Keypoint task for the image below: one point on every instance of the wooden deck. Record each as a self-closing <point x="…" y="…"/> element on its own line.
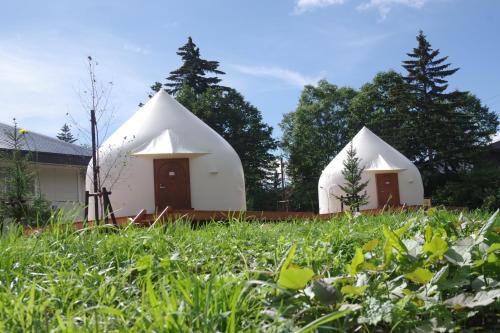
<point x="197" y="216"/>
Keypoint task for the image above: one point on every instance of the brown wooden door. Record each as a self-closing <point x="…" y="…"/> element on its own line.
<point x="172" y="183"/>
<point x="387" y="189"/>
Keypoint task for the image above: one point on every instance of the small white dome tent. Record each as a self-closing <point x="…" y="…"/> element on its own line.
<point x="393" y="179"/>
<point x="165" y="156"/>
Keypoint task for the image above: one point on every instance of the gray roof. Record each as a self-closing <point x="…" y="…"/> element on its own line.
<point x="495" y="145"/>
<point x="44" y="145"/>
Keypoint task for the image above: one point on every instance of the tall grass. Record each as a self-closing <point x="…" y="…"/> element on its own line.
<point x="171" y="277"/>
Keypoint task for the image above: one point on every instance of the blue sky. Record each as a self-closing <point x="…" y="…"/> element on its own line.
<point x="268" y="49"/>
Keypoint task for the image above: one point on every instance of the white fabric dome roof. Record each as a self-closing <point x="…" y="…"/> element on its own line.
<point x="164" y="129"/>
<point x="376" y="156"/>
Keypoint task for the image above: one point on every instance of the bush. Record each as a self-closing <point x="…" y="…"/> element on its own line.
<point x="479" y="188"/>
<point x="19" y="201"/>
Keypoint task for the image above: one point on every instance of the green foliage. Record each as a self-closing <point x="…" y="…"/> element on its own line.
<point x="226" y="277"/>
<point x="65" y="134"/>
<point x="476" y="188"/>
<point x="294" y="277"/>
<point x="420" y="275"/>
<point x="426" y="74"/>
<point x="452" y="126"/>
<point x="192" y="72"/>
<point x="312" y="135"/>
<point x="227" y="112"/>
<point x="443" y="132"/>
<point x="19" y="202"/>
<point x="353" y="187"/>
<point x="384" y="105"/>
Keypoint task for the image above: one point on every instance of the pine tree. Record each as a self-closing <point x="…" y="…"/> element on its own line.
<point x="65" y="134"/>
<point x="192" y="72"/>
<point x="19" y="201"/>
<point x="353" y="187"/>
<point x="426" y="74"/>
<point x="450" y="128"/>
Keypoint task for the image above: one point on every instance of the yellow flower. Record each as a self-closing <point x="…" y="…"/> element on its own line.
<point x="23" y="131"/>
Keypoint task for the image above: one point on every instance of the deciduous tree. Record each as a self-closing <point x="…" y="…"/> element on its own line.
<point x="240" y="123"/>
<point x="312" y="135"/>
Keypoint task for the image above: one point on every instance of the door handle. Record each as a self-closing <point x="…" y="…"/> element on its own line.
<point x="162" y="186"/>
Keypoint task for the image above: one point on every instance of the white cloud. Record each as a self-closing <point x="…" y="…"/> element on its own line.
<point x="291" y="77"/>
<point x="382" y="6"/>
<point x="385" y="6"/>
<point x="306" y="5"/>
<point x="136" y="48"/>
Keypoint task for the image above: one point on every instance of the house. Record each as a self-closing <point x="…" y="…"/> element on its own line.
<point x="165" y="156"/>
<point x="493" y="153"/>
<point x="393" y="179"/>
<point x="59" y="166"/>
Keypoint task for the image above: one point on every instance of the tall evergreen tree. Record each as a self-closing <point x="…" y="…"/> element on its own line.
<point x="427" y="72"/>
<point x="193" y="71"/>
<point x="65" y="134"/>
<point x="450" y="127"/>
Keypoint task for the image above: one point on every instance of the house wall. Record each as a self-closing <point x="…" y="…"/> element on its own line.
<point x="62" y="185"/>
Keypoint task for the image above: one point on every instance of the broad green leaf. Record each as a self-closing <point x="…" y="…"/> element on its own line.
<point x="290" y="254"/>
<point x="459" y="253"/>
<point x="394" y="240"/>
<point x="420" y="275"/>
<point x="437" y="247"/>
<point x="295" y="277"/>
<point x="488" y="224"/>
<point x="353" y="290"/>
<point x="478" y="263"/>
<point x="482" y="298"/>
<point x="371" y="245"/>
<point x="356" y="261"/>
<point x="492" y="258"/>
<point x="494" y="247"/>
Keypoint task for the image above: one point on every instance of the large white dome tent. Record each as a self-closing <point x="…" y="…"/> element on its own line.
<point x="393" y="178"/>
<point x="166" y="156"/>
